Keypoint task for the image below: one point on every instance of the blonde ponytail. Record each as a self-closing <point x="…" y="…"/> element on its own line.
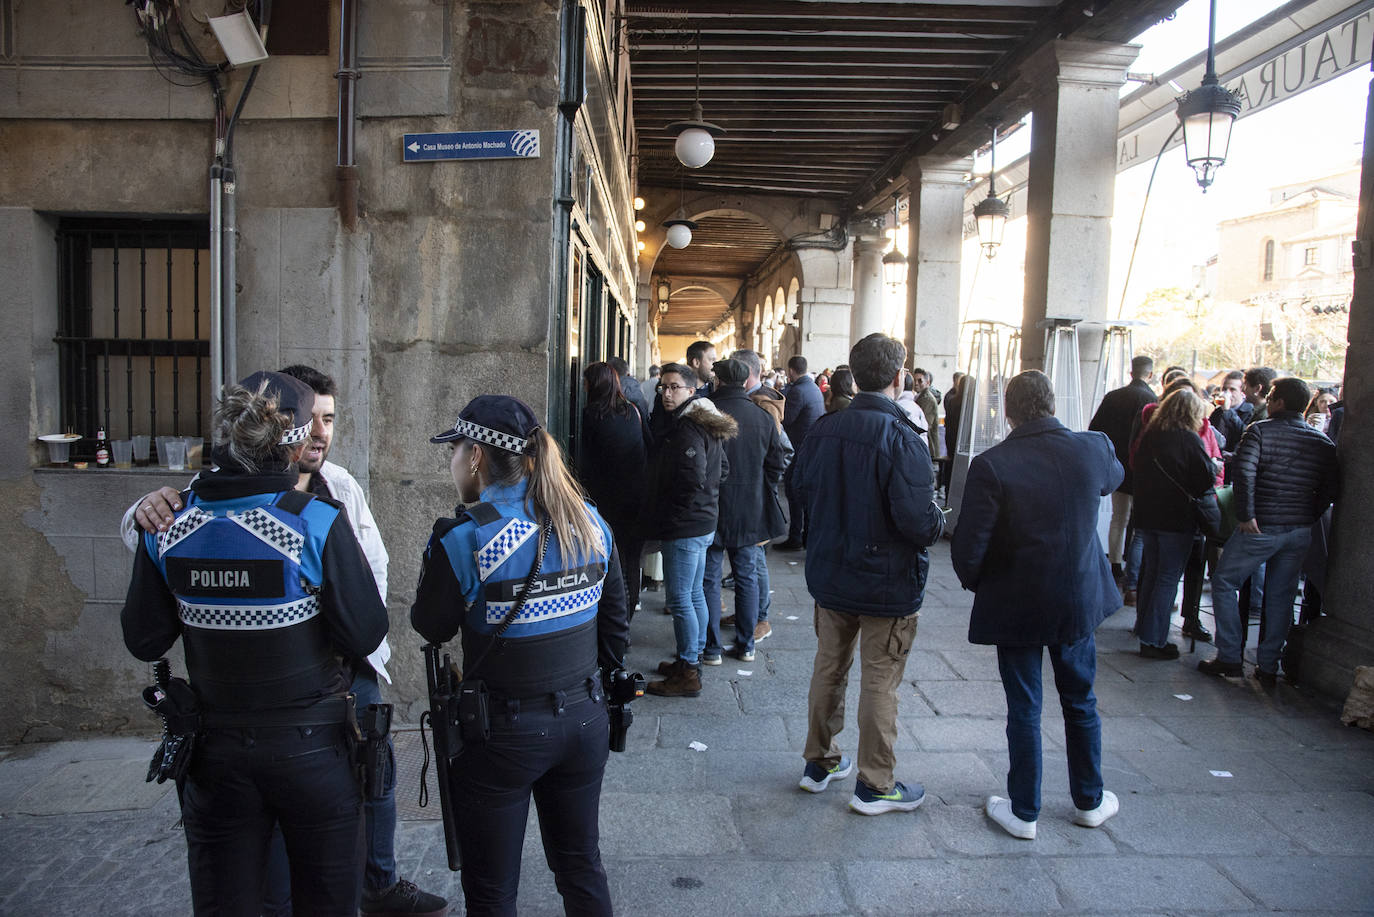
<point x="554" y="494"/>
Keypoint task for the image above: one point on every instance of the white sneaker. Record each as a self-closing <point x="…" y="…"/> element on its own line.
<point x="1091" y="818"/>
<point x="999" y="810"/>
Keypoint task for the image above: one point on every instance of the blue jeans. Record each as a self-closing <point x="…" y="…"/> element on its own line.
<point x="1134" y="555"/>
<point x="1161" y="567"/>
<point x="379" y="822"/>
<point x="684" y="570"/>
<point x="1281" y="548"/>
<point x="765" y="587"/>
<point x="745" y="563"/>
<point x="1075" y="667"/>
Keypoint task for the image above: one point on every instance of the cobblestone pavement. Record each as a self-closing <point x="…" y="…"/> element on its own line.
<point x="1233" y="801"/>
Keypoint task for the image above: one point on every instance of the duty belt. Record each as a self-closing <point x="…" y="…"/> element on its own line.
<point x="329" y="712"/>
<point x="552" y="701"/>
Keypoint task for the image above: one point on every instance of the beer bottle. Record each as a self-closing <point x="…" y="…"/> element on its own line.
<point x="102" y="450"/>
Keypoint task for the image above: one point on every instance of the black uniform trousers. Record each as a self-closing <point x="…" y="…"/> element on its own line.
<point x="241" y="783"/>
<point x="560" y="758"/>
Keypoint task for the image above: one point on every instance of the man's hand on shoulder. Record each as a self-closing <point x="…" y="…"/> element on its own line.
<point x="156" y="511"/>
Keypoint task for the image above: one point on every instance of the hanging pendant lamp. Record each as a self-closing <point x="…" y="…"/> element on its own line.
<point x="992" y="212"/>
<point x="696" y="142"/>
<point x="894" y="262"/>
<point x="679" y="228"/>
<point x="1207" y="114"/>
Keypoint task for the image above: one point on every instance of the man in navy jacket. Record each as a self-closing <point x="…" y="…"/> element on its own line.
<point x="1027" y="545"/>
<point x="865" y="475"/>
<point x="803" y="406"/>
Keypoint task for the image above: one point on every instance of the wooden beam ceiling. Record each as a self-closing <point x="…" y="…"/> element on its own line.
<point x="824" y="98"/>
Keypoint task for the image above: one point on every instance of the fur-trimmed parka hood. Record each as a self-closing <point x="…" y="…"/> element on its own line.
<point x="704" y="413"/>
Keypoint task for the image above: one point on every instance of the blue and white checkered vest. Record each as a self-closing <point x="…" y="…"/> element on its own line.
<point x="246" y="574"/>
<point x="551" y="645"/>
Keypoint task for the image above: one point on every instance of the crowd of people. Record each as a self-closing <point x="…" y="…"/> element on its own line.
<point x="270" y="569"/>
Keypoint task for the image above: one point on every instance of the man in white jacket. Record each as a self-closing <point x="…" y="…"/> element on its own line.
<point x="383" y="892"/>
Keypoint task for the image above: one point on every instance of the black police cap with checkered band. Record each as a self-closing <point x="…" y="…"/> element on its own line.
<point x="497" y="420"/>
<point x="293" y="397"/>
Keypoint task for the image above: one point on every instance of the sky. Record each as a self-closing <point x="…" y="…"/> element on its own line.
<point x="1308" y="136"/>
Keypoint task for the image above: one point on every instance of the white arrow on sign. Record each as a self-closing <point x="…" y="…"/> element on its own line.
<point x="414" y="147"/>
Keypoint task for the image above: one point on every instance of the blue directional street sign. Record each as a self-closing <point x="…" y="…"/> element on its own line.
<point x="470" y="145"/>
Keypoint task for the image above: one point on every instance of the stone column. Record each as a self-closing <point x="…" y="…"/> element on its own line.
<point x="936" y="228"/>
<point x="1069" y="196"/>
<point x="867" y="315"/>
<point x="825" y="303"/>
<point x="1344" y="636"/>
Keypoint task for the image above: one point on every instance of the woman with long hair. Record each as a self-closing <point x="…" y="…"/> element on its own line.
<point x="529" y="574"/>
<point x="612" y="458"/>
<point x="842" y="390"/>
<point x="267" y="588"/>
<point x="1172" y="469"/>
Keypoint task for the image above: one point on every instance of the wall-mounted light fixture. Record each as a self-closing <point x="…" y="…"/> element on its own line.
<point x="1207" y="114"/>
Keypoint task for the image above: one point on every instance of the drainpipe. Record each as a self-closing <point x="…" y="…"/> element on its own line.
<point x="216" y="281"/>
<point x="230" y="216"/>
<point x="346" y="172"/>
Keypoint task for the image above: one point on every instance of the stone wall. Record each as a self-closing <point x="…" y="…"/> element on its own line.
<point x="443" y="292"/>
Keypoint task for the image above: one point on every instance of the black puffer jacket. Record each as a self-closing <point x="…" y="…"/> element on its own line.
<point x="686" y="467"/>
<point x="1284" y="472"/>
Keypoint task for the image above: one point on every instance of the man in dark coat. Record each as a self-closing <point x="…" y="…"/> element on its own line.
<point x="1285" y="476"/>
<point x="1027" y="545"/>
<point x="750" y="515"/>
<point x="803" y="406"/>
<point x="866" y="472"/>
<point x="1119" y="411"/>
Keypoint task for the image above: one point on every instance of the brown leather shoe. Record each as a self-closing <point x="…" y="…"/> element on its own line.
<point x="685" y="682"/>
<point x="669" y="666"/>
<point x="1129" y="598"/>
<point x="762" y="631"/>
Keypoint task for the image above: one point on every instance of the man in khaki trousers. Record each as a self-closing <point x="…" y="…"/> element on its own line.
<point x="867" y="482"/>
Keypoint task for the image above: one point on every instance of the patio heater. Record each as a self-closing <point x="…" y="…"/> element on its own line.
<point x="982" y="420"/>
<point x="1063" y="367"/>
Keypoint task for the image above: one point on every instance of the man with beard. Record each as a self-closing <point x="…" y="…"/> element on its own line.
<point x="384" y="893"/>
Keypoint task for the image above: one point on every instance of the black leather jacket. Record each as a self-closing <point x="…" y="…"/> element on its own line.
<point x="1284" y="472"/>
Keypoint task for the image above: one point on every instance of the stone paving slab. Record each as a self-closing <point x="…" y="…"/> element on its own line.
<point x="1103" y="885"/>
<point x="1019" y="884"/>
<point x="1340" y="885"/>
<point x="726" y="831"/>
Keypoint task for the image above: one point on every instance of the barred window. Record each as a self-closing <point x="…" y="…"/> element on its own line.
<point x="1269" y="259"/>
<point x="133" y="329"/>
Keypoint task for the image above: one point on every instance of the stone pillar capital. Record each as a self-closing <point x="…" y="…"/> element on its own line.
<point x="1084" y="63"/>
<point x="930" y="170"/>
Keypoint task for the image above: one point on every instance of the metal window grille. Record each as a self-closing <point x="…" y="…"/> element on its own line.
<point x="133" y="326"/>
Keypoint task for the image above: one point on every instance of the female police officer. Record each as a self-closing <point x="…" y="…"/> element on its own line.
<point x="547" y="715"/>
<point x="265" y="585"/>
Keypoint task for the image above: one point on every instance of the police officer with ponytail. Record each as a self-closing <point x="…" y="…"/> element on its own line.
<point x="528" y="574"/>
<point x="266" y="587"/>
